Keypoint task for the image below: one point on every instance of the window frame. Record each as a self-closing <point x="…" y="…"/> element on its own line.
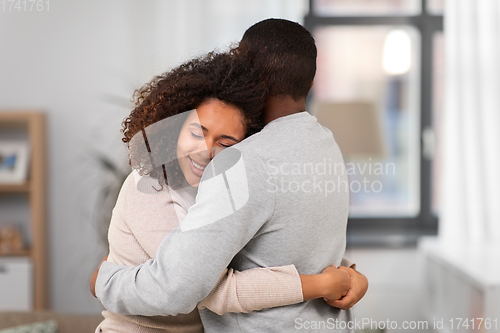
<point x="389" y="231"/>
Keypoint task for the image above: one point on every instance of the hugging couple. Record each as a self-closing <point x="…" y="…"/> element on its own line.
<point x="202" y="238"/>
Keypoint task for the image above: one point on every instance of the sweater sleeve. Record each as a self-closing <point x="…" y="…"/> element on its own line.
<point x="235" y="199"/>
<point x="254" y="289"/>
<point x="348" y="263"/>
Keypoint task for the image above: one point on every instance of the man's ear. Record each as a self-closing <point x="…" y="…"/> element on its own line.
<point x="312" y="84"/>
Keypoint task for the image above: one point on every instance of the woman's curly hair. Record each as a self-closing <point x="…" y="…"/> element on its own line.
<point x="228" y="77"/>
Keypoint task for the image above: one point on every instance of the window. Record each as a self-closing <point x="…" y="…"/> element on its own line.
<point x="376" y="76"/>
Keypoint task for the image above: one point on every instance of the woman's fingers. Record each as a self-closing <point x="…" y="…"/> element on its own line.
<point x="344" y="303"/>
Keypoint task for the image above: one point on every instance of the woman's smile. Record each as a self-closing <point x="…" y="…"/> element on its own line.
<point x="197" y="168"/>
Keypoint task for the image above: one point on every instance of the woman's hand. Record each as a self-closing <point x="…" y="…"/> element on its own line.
<point x="337" y="282"/>
<point x="331" y="284"/>
<point x="355" y="293"/>
<point x="93" y="277"/>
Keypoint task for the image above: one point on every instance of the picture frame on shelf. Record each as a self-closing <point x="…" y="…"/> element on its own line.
<point x="14" y="161"/>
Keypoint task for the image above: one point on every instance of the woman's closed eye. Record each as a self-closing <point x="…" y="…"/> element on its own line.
<point x="201" y="136"/>
<point x="197" y="135"/>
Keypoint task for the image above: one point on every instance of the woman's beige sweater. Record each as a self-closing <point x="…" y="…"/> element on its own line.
<point x="140" y="221"/>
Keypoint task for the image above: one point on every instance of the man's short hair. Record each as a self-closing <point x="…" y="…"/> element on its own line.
<point x="285" y="53"/>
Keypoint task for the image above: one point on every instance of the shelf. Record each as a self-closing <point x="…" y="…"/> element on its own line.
<point x="34" y="124"/>
<point x="23" y="253"/>
<point x="15" y="188"/>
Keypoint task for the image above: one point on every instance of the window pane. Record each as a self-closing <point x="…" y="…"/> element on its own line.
<point x="435" y="7"/>
<point x="367" y="92"/>
<point x="366" y="7"/>
<point x="437" y="111"/>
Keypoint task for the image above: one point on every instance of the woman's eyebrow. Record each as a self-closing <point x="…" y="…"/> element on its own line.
<point x="229" y="137"/>
<point x="199" y="126"/>
<point x="222" y="136"/>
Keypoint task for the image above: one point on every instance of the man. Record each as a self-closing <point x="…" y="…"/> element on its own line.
<point x="279" y="197"/>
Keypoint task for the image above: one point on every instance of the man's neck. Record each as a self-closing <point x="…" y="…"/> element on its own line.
<point x="281" y="106"/>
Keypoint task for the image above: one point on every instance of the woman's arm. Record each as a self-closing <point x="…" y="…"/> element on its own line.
<point x="261" y="288"/>
<point x="332" y="284"/>
<point x="254" y="289"/>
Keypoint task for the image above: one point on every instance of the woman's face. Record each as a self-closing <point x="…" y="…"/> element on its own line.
<point x="212" y="127"/>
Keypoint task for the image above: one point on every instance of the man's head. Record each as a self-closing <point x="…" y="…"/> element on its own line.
<point x="285" y="53"/>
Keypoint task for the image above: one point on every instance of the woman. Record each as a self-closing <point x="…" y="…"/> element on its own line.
<point x="182" y="119"/>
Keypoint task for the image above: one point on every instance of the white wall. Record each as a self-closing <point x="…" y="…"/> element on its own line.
<point x="71" y="62"/>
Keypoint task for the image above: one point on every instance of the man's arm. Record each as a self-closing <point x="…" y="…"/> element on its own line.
<point x="232" y="205"/>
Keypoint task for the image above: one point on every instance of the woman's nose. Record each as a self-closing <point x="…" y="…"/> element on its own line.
<point x="211" y="150"/>
<point x="215" y="150"/>
<point x="207" y="150"/>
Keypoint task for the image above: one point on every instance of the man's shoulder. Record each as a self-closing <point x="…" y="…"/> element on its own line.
<point x="252" y="142"/>
<point x="251" y="149"/>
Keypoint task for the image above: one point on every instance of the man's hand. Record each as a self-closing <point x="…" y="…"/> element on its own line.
<point x="93" y="277"/>
<point x="359" y="286"/>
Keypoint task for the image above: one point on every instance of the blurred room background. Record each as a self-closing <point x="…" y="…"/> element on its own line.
<point x="409" y="89"/>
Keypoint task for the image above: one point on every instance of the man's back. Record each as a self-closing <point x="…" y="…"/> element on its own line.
<point x="307" y="224"/>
